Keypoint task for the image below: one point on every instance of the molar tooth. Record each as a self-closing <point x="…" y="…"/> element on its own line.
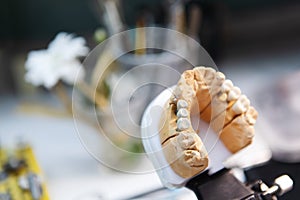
<point x="226" y="86"/>
<point x="187" y="140"/>
<point x="193" y="158"/>
<point x="181" y="104"/>
<point x="183" y="124"/>
<point x="241" y="105"/>
<point x="234" y="94"/>
<point x="182" y="112"/>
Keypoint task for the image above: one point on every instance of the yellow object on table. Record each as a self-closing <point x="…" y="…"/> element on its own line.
<point x="20" y="175"/>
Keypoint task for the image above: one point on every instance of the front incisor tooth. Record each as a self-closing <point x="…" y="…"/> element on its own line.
<point x="215" y="86"/>
<point x="234" y="94"/>
<point x="181" y="104"/>
<point x="220" y="77"/>
<point x="182" y="112"/>
<point x="241" y="105"/>
<point x="227" y="86"/>
<point x="183" y="124"/>
<point x="199" y="73"/>
<point x="209" y="75"/>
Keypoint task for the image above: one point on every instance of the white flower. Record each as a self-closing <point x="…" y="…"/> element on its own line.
<point x="58" y="62"/>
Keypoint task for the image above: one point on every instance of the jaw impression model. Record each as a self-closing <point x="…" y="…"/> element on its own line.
<point x="206" y="93"/>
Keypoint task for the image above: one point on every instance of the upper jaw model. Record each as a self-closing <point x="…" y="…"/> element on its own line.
<point x="206" y="93"/>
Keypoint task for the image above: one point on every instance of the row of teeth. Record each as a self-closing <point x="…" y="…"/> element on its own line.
<point x="183" y="122"/>
<point x="233" y="93"/>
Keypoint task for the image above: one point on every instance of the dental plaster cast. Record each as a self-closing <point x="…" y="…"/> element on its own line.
<point x="206" y="93"/>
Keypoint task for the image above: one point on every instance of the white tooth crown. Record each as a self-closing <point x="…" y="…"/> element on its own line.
<point x="241" y="105"/>
<point x="182" y="112"/>
<point x="174" y="99"/>
<point x="183" y="124"/>
<point x="181" y="104"/>
<point x="186" y="140"/>
<point x="199" y="74"/>
<point x="234" y="94"/>
<point x="220" y="76"/>
<point x="251" y="116"/>
<point x="226" y="86"/>
<point x="209" y="75"/>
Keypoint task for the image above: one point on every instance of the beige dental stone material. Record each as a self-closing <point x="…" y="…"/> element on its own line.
<point x="208" y="94"/>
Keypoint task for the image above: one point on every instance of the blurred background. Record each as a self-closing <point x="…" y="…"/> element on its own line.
<point x="226" y="29"/>
<point x="255" y="43"/>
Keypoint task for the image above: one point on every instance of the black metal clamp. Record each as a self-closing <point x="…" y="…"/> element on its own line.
<point x="224" y="185"/>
